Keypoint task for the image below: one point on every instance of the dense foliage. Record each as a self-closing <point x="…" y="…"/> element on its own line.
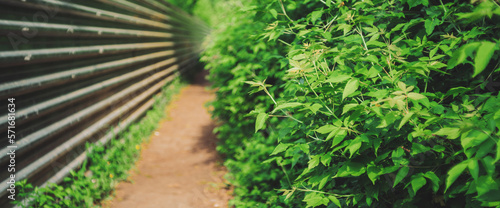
<point x="359" y="103"/>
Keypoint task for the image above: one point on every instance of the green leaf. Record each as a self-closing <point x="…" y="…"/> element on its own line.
<point x="326" y="129"/>
<point x="416" y="96"/>
<point x="450" y="133"/>
<point x="486" y="184"/>
<point x="280" y="148"/>
<point x="314" y="199"/>
<point x="474" y="168"/>
<point x="326" y="159"/>
<point x="261" y="120"/>
<point x="498" y="151"/>
<point x="304" y="148"/>
<point x="434" y="179"/>
<point x="388" y="119"/>
<point x="315" y="159"/>
<point x="375" y="43"/>
<point x="483" y="10"/>
<point x="457" y="91"/>
<point x="370" y="58"/>
<point x="402" y="86"/>
<point x="354" y="146"/>
<point x="323" y="182"/>
<point x="429" y="25"/>
<point x="401" y="174"/>
<point x="314" y="107"/>
<point x="417" y="148"/>
<point x="348" y="107"/>
<point x="373" y="172"/>
<point x="454" y="173"/>
<point x="489" y="165"/>
<point x="249" y="8"/>
<point x="328" y="3"/>
<point x="316" y="15"/>
<point x="460" y="55"/>
<point x="287" y="105"/>
<point x="332" y="134"/>
<point x="351" y="169"/>
<point x="350" y="88"/>
<point x="339" y="137"/>
<point x="405" y="119"/>
<point x="335" y="200"/>
<point x="483" y="56"/>
<point x="474" y="138"/>
<point x="433" y="51"/>
<point x="338" y="78"/>
<point x="417" y="183"/>
<point x="274" y="13"/>
<point x="414" y="3"/>
<point x="299" y="57"/>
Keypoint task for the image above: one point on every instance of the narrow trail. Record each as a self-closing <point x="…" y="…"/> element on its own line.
<point x="179" y="167"/>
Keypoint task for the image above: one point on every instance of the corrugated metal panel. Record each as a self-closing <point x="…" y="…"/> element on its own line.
<point x="77" y="68"/>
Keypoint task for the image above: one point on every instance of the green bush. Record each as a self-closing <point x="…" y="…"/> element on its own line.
<point x="235" y="56"/>
<point x="359" y="103"/>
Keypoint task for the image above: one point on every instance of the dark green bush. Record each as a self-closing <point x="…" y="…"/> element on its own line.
<point x="361" y="103"/>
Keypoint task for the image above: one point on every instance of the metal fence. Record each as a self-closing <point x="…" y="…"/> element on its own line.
<point x="75" y="68"/>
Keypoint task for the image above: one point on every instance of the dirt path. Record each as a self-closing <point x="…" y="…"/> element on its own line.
<point x="179" y="168"/>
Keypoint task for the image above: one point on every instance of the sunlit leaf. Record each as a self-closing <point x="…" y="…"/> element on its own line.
<point x="430" y="24"/>
<point x="314" y="161"/>
<point x="326" y="129"/>
<point x="401" y="174"/>
<point x="315" y="199"/>
<point x="351" y="87"/>
<point x="280" y="148"/>
<point x="460" y="55"/>
<point x="316" y="15"/>
<point x="274" y="13"/>
<point x="335" y="200"/>
<point x="373" y="172"/>
<point x="405" y="119"/>
<point x="454" y="172"/>
<point x="450" y="133"/>
<point x="287" y="105"/>
<point x="416" y="96"/>
<point x="417" y="183"/>
<point x="473" y="168"/>
<point x="354" y="146"/>
<point x="261" y="120"/>
<point x="338" y="78"/>
<point x="483" y="56"/>
<point x="434" y="179"/>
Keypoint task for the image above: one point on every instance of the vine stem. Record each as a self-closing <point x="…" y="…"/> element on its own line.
<point x="316" y="138"/>
<point x="269" y="94"/>
<point x="309" y="190"/>
<point x="309" y="84"/>
<point x="274" y="101"/>
<point x="284" y="12"/>
<point x="362" y="38"/>
<point x="286" y="174"/>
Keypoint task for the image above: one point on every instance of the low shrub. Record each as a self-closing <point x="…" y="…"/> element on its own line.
<point x="359" y="103"/>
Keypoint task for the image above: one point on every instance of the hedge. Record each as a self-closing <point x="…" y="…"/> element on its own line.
<point x="359" y="103"/>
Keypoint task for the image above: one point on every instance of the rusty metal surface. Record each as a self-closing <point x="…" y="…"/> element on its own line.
<point x="76" y="68"/>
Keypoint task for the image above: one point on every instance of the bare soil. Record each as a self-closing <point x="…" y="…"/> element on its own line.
<point x="179" y="167"/>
